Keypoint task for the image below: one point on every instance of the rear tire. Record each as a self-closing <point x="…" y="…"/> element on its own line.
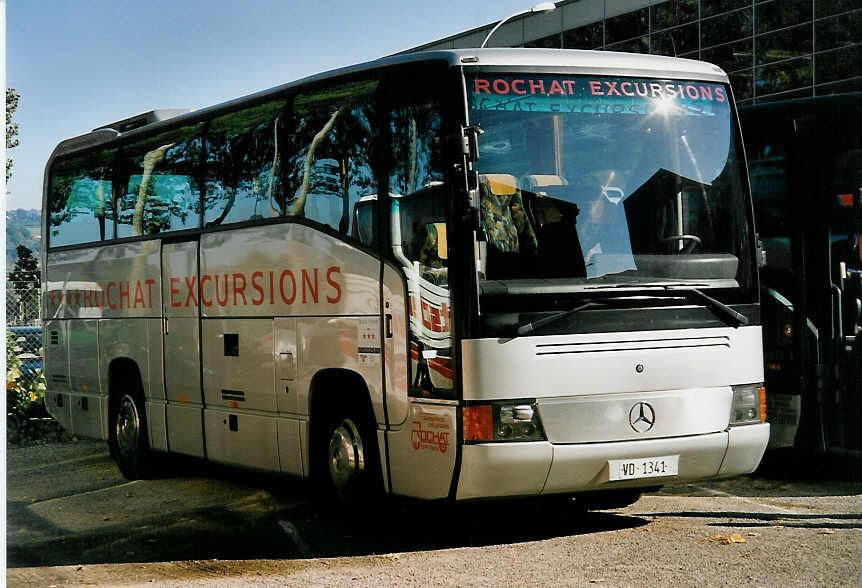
<point x="127" y="435"/>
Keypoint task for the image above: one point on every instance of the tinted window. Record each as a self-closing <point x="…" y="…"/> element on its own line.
<point x="673" y="12"/>
<point x="676" y="41"/>
<point x="243" y="165"/>
<point x="585" y="37"/>
<point x="159" y="178"/>
<point x="79" y="199"/>
<point x="328" y="151"/>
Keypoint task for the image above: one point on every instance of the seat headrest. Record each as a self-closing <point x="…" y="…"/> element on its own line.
<point x="500" y="184"/>
<point x="531" y="181"/>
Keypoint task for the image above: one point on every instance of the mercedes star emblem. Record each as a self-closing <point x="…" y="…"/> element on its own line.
<point x="642" y="417"/>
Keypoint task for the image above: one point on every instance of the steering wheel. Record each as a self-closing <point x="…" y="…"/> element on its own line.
<point x="693" y="241"/>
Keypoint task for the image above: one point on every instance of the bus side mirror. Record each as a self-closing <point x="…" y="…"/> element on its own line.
<point x="473" y="189"/>
<point x="760" y="252"/>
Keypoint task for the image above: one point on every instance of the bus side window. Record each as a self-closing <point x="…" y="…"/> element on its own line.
<point x="243" y="165"/>
<point x="159" y="184"/>
<point x="328" y="165"/>
<point x="79" y="199"/>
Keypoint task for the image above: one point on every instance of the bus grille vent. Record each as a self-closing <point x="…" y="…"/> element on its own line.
<point x="633" y="345"/>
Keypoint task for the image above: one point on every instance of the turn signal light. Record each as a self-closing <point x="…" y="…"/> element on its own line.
<point x="503" y="421"/>
<point x="749" y="404"/>
<point x="478" y="423"/>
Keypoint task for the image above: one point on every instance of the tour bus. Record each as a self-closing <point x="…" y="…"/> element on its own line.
<point x="463" y="274"/>
<point x="805" y="160"/>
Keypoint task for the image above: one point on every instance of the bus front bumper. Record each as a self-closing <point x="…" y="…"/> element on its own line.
<point x="522" y="469"/>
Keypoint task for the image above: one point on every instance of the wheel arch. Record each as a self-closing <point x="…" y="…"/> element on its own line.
<point x="336" y="387"/>
<point x="120" y="370"/>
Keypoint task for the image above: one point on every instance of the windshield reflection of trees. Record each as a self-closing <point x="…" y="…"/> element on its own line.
<point x="618" y="190"/>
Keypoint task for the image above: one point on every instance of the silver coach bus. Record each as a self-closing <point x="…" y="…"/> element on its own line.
<point x="455" y="274"/>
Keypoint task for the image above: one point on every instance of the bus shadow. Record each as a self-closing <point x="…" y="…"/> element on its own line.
<point x="306" y="530"/>
<point x="762" y="519"/>
<point x="429" y="527"/>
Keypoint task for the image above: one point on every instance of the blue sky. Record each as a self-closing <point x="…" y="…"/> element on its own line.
<point x="79" y="64"/>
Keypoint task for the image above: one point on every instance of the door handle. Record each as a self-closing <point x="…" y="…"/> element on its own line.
<point x="388" y="326"/>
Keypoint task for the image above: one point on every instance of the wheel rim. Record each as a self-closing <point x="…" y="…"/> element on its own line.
<point x="346" y="455"/>
<point x="128" y="426"/>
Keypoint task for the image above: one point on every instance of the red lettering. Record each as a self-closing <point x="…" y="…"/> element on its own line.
<point x="706" y="93"/>
<point x="271" y="288"/>
<point x="124" y="293"/>
<point x="641" y="89"/>
<point x="612" y="89"/>
<point x="88" y="298"/>
<point x="719" y="95"/>
<point x="515" y="84"/>
<point x="596" y="88"/>
<point x="333" y="270"/>
<point x="149" y="284"/>
<point x="501" y="86"/>
<point x="570" y="86"/>
<point x="174" y="292"/>
<point x="670" y="90"/>
<point x="96" y="300"/>
<point x="689" y="90"/>
<point x="556" y="88"/>
<point x="281" y="286"/>
<point x="537" y="85"/>
<point x="139" y="295"/>
<point x="628" y="92"/>
<point x="190" y="288"/>
<point x="239" y="288"/>
<point x="111" y="305"/>
<point x="221" y="301"/>
<point x="482" y="86"/>
<point x="205" y="278"/>
<point x="254" y="278"/>
<point x="312" y="286"/>
<point x="655" y="89"/>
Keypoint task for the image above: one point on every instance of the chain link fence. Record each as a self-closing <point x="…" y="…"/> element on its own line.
<point x="22" y="304"/>
<point x="24" y="330"/>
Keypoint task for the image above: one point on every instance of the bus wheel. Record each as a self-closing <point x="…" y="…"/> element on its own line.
<point x="348" y="461"/>
<point x="127" y="436"/>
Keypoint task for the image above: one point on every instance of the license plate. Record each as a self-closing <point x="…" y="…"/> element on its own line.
<point x="644" y="467"/>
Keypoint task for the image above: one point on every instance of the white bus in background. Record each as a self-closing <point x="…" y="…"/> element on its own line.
<point x="447" y="275"/>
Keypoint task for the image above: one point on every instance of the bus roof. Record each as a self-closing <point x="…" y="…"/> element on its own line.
<point x="571" y="61"/>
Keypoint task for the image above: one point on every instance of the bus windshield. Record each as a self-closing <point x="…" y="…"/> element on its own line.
<point x="595" y="180"/>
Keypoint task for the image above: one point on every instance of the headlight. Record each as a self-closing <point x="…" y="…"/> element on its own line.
<point x="749" y="404"/>
<point x="503" y="421"/>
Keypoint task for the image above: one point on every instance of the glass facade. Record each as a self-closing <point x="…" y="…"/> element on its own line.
<point x="771" y="49"/>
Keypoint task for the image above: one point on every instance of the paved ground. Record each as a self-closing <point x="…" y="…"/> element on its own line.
<point x="72" y="519"/>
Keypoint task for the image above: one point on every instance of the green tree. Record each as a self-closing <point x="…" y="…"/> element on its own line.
<point x="11" y="127"/>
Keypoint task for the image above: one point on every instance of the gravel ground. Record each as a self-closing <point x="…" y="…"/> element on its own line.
<point x="746" y="531"/>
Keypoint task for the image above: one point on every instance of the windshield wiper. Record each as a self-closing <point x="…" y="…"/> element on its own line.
<point x="532" y="326"/>
<point x="732" y="317"/>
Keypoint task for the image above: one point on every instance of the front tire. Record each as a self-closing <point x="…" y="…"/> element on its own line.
<point x="127" y="437"/>
<point x="346" y="462"/>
